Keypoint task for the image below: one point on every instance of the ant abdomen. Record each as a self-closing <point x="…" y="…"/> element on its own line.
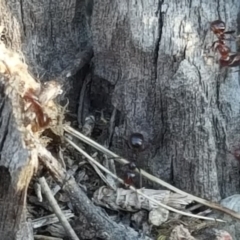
<point x="136" y="141"/>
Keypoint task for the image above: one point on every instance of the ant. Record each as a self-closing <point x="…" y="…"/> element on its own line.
<point x="227" y="59"/>
<point x="41" y="119"/>
<point x="136" y="143"/>
<point x="218" y="27"/>
<point x="37" y="99"/>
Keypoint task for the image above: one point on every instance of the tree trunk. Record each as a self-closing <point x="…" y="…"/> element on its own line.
<point x="13" y="167"/>
<point x="151" y="54"/>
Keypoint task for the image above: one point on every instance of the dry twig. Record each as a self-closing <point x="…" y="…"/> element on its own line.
<point x="149" y="176"/>
<point x="57" y="209"/>
<point x="42" y="237"/>
<point x="138" y="191"/>
<point x="81" y="100"/>
<point x="105" y="228"/>
<point x="50" y="219"/>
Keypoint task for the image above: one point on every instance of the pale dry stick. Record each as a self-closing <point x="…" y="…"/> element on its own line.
<point x="71" y="172"/>
<point x="100" y="174"/>
<point x="134" y="189"/>
<point x="43" y="237"/>
<point x="111" y="126"/>
<point x="60" y="156"/>
<point x="81" y="100"/>
<point x="194" y="207"/>
<point x="50" y="219"/>
<point x="149" y="176"/>
<point x="57" y="209"/>
<point x="101" y="223"/>
<point x="37" y="189"/>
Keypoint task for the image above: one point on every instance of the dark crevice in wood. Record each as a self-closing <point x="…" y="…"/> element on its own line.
<point x="22" y="16"/>
<point x="11" y="207"/>
<point x="4" y="133"/>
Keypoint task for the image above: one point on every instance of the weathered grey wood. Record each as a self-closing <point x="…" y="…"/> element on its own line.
<point x="53" y="33"/>
<point x="26" y="231"/>
<point x="13" y="160"/>
<point x="92" y="222"/>
<point x="152" y="52"/>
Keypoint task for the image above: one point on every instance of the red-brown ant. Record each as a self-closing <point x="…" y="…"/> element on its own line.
<point x="129" y="173"/>
<point x="38" y="99"/>
<point x="41" y="120"/>
<point x="227" y="59"/>
<point x="218" y="28"/>
<point x="137" y="144"/>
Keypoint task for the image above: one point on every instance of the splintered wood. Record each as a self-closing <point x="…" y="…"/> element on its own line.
<point x="129" y="200"/>
<point x="32" y="105"/>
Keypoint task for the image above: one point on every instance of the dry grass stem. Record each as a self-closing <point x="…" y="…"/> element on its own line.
<point x="52" y="201"/>
<point x="50" y="219"/>
<point x="43" y="237"/>
<point x="38" y="192"/>
<point x="123" y="161"/>
<point x="138" y="191"/>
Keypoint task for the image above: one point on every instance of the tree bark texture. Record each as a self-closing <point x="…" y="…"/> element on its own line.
<point x="13" y="163"/>
<point x="152" y="52"/>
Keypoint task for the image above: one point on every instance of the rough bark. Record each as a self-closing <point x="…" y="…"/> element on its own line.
<point x="13" y="161"/>
<point x="152" y="52"/>
<point x="93" y="222"/>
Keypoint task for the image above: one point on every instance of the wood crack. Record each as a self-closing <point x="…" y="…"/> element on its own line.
<point x="22" y="17"/>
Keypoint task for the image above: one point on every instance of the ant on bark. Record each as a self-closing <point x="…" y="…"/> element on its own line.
<point x="227" y="58"/>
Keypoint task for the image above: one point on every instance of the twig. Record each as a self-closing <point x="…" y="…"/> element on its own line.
<point x="43" y="237"/>
<point x="88" y="125"/>
<point x="60" y="156"/>
<point x="194" y="207"/>
<point x="50" y="219"/>
<point x="71" y="172"/>
<point x="81" y="100"/>
<point x="109" y="164"/>
<point x="57" y="209"/>
<point x="37" y="189"/>
<point x="149" y="176"/>
<point x="100" y="174"/>
<point x="111" y="126"/>
<point x="95" y="218"/>
<point x="134" y="189"/>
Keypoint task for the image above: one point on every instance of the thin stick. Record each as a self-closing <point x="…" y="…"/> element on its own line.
<point x="149" y="176"/>
<point x="81" y="100"/>
<point x="96" y="218"/>
<point x="100" y="174"/>
<point x="43" y="237"/>
<point x="57" y="209"/>
<point x="134" y="189"/>
<point x="111" y="126"/>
